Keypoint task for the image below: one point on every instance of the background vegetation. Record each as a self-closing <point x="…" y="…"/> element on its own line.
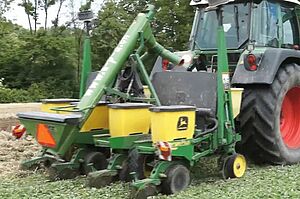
<point x="45" y="62"/>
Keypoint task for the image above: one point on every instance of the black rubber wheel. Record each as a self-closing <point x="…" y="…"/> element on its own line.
<point x="138" y="163"/>
<point x="178" y="179"/>
<point x="124" y="173"/>
<point x="234" y="166"/>
<point x="98" y="160"/>
<point x="265" y="139"/>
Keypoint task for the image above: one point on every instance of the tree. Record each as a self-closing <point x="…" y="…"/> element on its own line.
<point x="45" y="4"/>
<point x="113" y="22"/>
<point x="4" y="6"/>
<point x="49" y="60"/>
<point x="56" y="20"/>
<point x="172" y="25"/>
<point x="29" y="10"/>
<point x="45" y="59"/>
<point x="86" y="6"/>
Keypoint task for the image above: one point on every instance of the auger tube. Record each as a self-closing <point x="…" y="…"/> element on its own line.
<point x="119" y="56"/>
<point x="114" y="65"/>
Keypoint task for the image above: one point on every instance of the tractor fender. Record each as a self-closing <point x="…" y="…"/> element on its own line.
<point x="270" y="62"/>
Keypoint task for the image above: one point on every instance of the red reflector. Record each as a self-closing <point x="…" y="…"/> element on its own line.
<point x="18" y="131"/>
<point x="251" y="59"/>
<point x="253" y="67"/>
<point x="165" y="64"/>
<point x="44" y="136"/>
<point x="165" y="151"/>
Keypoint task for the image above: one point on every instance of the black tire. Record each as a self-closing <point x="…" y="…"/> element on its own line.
<point x="97" y="158"/>
<point x="124" y="173"/>
<point x="234" y="166"/>
<point x="137" y="163"/>
<point x="178" y="179"/>
<point x="260" y="119"/>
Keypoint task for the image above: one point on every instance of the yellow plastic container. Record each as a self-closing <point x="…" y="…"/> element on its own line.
<point x="48" y="104"/>
<point x="236" y="95"/>
<point x="98" y="119"/>
<point x="169" y="123"/>
<point x="128" y="119"/>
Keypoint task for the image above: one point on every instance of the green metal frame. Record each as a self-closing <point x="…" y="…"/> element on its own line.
<point x="140" y="31"/>
<point x="59" y="131"/>
<point x="87" y="64"/>
<point x="222" y="140"/>
<point x="70" y="135"/>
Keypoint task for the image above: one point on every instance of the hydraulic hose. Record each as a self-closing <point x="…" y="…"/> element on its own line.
<point x="207" y="131"/>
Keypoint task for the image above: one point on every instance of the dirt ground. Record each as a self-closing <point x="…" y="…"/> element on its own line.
<point x="12" y="151"/>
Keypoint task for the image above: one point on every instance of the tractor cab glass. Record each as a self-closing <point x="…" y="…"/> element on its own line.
<point x="264" y="30"/>
<point x="274" y="25"/>
<point x="264" y="23"/>
<point x="235" y="22"/>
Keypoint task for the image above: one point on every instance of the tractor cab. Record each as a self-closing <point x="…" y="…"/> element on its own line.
<point x="249" y="26"/>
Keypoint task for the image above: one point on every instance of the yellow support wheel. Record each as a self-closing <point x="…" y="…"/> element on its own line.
<point x="234" y="166"/>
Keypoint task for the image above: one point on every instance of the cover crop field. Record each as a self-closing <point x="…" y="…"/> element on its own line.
<point x="259" y="182"/>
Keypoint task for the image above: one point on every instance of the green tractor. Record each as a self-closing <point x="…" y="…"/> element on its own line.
<point x="189" y="122"/>
<point x="262" y="40"/>
<point x="263" y="52"/>
<point x="252" y="45"/>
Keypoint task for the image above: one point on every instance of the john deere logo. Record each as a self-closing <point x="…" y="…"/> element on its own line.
<point x="182" y="123"/>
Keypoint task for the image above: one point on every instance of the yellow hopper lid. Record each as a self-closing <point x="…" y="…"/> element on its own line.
<point x="173" y="108"/>
<point x="129" y="105"/>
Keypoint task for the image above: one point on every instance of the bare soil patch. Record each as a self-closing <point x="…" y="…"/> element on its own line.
<point x="13" y="151"/>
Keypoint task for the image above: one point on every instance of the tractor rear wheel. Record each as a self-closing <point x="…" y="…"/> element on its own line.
<point x="270" y="121"/>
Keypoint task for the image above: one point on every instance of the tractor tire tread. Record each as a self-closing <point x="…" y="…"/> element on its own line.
<point x="257" y="119"/>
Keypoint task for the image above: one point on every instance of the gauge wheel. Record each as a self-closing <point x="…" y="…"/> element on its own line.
<point x="234" y="166"/>
<point x="98" y="161"/>
<point x="178" y="178"/>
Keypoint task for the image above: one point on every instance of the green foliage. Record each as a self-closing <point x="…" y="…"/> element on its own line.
<point x="172" y="25"/>
<point x="45" y="59"/>
<point x="50" y="60"/>
<point x="86" y="6"/>
<point x="173" y="21"/>
<point x="33" y="94"/>
<point x="259" y="182"/>
<point x="113" y="23"/>
<point x="28" y="7"/>
<point x="4" y="6"/>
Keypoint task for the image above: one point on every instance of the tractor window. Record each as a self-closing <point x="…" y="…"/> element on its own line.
<point x="290" y="27"/>
<point x="265" y="32"/>
<point x="235" y="23"/>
